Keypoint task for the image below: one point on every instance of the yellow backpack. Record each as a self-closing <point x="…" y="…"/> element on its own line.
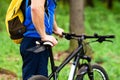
<point x="14" y="20"/>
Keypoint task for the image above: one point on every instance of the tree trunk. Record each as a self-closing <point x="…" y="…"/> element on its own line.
<point x="77" y="24"/>
<point x="76" y="20"/>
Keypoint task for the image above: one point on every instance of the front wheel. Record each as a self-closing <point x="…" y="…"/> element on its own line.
<point x="98" y="73"/>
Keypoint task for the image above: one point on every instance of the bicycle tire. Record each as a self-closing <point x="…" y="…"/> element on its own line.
<point x="97" y="69"/>
<point x="38" y="77"/>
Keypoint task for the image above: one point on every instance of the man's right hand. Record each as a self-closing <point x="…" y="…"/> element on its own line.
<point x="51" y="39"/>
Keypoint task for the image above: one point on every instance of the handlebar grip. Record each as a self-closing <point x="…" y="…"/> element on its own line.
<point x="68" y="36"/>
<point x="112" y="36"/>
<point x="63" y="34"/>
<point x="106" y="36"/>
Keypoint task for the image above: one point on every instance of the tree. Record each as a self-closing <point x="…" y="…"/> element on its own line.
<point x="76" y="20"/>
<point x="77" y="24"/>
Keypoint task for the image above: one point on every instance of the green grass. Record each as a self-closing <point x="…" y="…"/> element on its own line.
<point x="97" y="20"/>
<point x="104" y="22"/>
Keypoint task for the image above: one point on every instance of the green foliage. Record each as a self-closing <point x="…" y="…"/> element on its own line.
<point x="97" y="20"/>
<point x="3" y="8"/>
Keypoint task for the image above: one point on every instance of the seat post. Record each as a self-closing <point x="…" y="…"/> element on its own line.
<point x="53" y="67"/>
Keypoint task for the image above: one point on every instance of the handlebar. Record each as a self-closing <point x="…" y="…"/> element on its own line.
<point x="99" y="38"/>
<point x="41" y="45"/>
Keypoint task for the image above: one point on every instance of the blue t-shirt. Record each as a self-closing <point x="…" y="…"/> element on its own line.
<point x="49" y="20"/>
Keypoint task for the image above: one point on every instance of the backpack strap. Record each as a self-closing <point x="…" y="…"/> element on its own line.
<point x="22" y="7"/>
<point x="26" y="3"/>
<point x="46" y="7"/>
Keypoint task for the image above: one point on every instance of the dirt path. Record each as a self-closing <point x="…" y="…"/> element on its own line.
<point x="7" y="75"/>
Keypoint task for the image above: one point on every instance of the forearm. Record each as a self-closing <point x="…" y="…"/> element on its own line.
<point x="55" y="26"/>
<point x="56" y="29"/>
<point x="37" y="12"/>
<point x="38" y="18"/>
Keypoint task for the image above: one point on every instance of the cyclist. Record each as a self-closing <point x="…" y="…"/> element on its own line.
<point x="40" y="24"/>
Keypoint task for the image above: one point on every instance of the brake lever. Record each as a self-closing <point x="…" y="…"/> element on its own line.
<point x="109" y="41"/>
<point x="102" y="40"/>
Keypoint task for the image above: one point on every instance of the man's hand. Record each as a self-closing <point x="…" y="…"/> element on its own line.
<point x="50" y="39"/>
<point x="58" y="31"/>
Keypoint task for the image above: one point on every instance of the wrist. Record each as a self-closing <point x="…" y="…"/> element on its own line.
<point x="43" y="36"/>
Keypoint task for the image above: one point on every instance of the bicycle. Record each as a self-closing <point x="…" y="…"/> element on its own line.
<point x="79" y="70"/>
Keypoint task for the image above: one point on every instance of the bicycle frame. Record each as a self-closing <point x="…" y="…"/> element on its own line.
<point x="76" y="54"/>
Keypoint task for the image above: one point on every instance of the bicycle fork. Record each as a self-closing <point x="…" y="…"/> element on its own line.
<point x="90" y="72"/>
<point x="72" y="72"/>
<point x="86" y="68"/>
<point x="74" y="67"/>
